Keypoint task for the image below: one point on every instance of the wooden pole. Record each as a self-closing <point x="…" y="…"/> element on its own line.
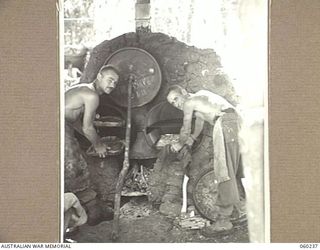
<point x="125" y="167"/>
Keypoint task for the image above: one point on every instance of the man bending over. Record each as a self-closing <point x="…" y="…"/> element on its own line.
<point x="209" y="107"/>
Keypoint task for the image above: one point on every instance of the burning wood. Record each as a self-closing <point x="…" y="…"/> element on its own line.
<point x="136" y="183"/>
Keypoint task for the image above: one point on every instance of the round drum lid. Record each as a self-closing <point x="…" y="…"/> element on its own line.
<point x="205" y="195"/>
<point x="146" y="72"/>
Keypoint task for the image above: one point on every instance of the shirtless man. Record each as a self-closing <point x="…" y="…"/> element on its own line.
<point x="81" y="102"/>
<point x="209" y="107"/>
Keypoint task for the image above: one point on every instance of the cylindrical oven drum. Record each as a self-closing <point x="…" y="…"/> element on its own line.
<point x="143" y="67"/>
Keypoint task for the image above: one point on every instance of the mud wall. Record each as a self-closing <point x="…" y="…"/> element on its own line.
<point x="181" y="64"/>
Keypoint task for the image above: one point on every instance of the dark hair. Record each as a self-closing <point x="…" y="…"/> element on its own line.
<point x="176" y="88"/>
<point x="68" y="63"/>
<point x="107" y="67"/>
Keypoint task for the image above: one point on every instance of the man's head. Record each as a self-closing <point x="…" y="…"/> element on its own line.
<point x="177" y="96"/>
<point x="108" y="78"/>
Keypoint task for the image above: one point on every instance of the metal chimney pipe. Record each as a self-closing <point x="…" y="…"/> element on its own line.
<point x="142" y="16"/>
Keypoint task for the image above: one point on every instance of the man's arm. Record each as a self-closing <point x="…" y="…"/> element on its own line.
<point x="187" y="121"/>
<point x="197" y="128"/>
<point x="185" y="130"/>
<point x="91" y="102"/>
<point x="196" y="132"/>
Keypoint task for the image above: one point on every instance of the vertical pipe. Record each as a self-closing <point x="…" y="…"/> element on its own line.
<point x="142" y="16"/>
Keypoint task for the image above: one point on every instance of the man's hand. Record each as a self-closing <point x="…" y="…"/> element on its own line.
<point x="190" y="141"/>
<point x="184" y="134"/>
<point x="176" y="147"/>
<point x="101" y="150"/>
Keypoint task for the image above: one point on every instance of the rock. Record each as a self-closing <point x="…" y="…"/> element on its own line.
<point x="86" y="195"/>
<point x="170" y="209"/>
<point x="98" y="211"/>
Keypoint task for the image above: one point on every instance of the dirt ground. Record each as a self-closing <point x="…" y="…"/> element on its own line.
<point x="140" y="223"/>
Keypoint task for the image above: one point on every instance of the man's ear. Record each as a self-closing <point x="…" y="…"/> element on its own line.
<point x="99" y="76"/>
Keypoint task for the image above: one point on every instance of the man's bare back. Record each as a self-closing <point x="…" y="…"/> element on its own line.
<point x="207" y="105"/>
<point x="203" y="109"/>
<point x="75" y="100"/>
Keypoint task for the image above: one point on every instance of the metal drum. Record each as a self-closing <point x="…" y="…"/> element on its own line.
<point x="163" y="118"/>
<point x="145" y="70"/>
<point x="205" y="195"/>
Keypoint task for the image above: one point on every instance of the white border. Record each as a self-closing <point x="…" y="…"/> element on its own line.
<point x="61" y="67"/>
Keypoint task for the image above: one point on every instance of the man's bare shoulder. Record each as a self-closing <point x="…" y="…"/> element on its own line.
<point x="194" y="100"/>
<point x="207" y="94"/>
<point x="83" y="92"/>
<point x="213" y="98"/>
<point x="192" y="103"/>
